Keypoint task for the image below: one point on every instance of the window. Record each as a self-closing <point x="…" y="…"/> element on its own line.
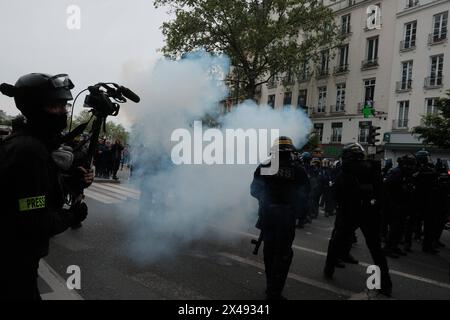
<point x="302" y="99"/>
<point x="372" y="49"/>
<point x="304" y="72"/>
<point x="322" y="99"/>
<point x="271" y="101"/>
<point x="411" y="3"/>
<point x="369" y="91"/>
<point x="272" y="82"/>
<point x="431" y="105"/>
<point x="403" y="110"/>
<point x="340" y="98"/>
<point x="363" y="135"/>
<point x="343" y="57"/>
<point x="318" y="129"/>
<point x="324" y="61"/>
<point x="336" y="129"/>
<point x="409" y="39"/>
<point x="345" y="24"/>
<point x="287" y="98"/>
<point x="440" y="26"/>
<point x="406" y="82"/>
<point x="437" y="64"/>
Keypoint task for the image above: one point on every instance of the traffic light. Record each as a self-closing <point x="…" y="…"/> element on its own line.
<point x="372" y="140"/>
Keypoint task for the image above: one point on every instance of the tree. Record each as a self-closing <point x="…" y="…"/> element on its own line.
<point x="4" y="118"/>
<point x="436" y="127"/>
<point x="113" y="131"/>
<point x="263" y="38"/>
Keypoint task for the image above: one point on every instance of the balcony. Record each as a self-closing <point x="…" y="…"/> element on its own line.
<point x="433" y="82"/>
<point x="304" y="77"/>
<point x="346" y="30"/>
<point x="288" y="81"/>
<point x="407" y="45"/>
<point x="322" y="73"/>
<point x="403" y="86"/>
<point x="340" y="69"/>
<point x="318" y="111"/>
<point x="337" y="109"/>
<point x="400" y="124"/>
<point x="273" y="83"/>
<point x="434" y="38"/>
<point x="369" y="64"/>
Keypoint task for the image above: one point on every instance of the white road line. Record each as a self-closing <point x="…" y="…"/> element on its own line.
<point x="311" y="282"/>
<point x="56" y="283"/>
<point x="363" y="264"/>
<point x="100" y="197"/>
<point x="120" y="191"/>
<point x="116" y="186"/>
<point x="107" y="193"/>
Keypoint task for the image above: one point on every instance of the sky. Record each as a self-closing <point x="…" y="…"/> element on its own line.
<point x="113" y="35"/>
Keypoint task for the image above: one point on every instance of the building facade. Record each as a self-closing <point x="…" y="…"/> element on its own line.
<point x="391" y="60"/>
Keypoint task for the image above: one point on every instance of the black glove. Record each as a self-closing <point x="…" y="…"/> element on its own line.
<point x="80" y="212"/>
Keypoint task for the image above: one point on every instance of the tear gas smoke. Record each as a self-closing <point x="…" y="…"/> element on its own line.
<point x="180" y="203"/>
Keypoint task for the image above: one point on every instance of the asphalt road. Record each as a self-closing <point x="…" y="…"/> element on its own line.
<point x="218" y="266"/>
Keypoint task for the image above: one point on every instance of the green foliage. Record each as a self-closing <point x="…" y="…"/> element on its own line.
<point x="4" y="118"/>
<point x="436" y="127"/>
<point x="261" y="37"/>
<point x="113" y="131"/>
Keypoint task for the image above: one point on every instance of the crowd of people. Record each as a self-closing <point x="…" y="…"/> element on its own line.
<point x="110" y="157"/>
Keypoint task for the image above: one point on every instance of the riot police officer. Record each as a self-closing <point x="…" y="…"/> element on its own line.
<point x="357" y="192"/>
<point x="32" y="203"/>
<point x="277" y="192"/>
<point x="399" y="190"/>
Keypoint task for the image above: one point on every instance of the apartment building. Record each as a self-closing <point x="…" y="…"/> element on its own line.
<point x="376" y="66"/>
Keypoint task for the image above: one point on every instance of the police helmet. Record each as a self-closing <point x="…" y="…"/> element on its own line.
<point x="283" y="143"/>
<point x="35" y="90"/>
<point x="407" y="161"/>
<point x="353" y="151"/>
<point x="306" y="156"/>
<point x="422" y="156"/>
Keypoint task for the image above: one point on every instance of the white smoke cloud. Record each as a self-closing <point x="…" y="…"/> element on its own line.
<point x="179" y="203"/>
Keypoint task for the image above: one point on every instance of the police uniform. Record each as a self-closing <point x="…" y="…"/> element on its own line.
<point x="357" y="188"/>
<point x="278" y="195"/>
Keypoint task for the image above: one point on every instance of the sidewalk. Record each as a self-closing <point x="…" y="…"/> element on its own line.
<point x="123" y="176"/>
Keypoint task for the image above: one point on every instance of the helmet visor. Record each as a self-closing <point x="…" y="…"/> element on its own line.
<point x="61" y="81"/>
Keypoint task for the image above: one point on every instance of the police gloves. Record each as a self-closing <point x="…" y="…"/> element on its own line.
<point x="80" y="212"/>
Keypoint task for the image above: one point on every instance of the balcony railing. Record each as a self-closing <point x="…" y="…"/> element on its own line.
<point x="403" y="86"/>
<point x="346" y="30"/>
<point x="400" y="124"/>
<point x="407" y="45"/>
<point x="273" y="83"/>
<point x="433" y="82"/>
<point x="436" y="38"/>
<point x="369" y="63"/>
<point x="341" y="69"/>
<point x="304" y="77"/>
<point x="288" y="80"/>
<point x="318" y="111"/>
<point x="339" y="108"/>
<point x="322" y="73"/>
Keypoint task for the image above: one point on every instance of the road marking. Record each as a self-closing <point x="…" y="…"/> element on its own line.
<point x="56" y="283"/>
<point x="296" y="277"/>
<point x="107" y="193"/>
<point x="129" y="193"/>
<point x="363" y="264"/>
<point x="100" y="197"/>
<point x="115" y="186"/>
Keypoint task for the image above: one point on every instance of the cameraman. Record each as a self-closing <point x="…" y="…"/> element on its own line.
<point x="33" y="197"/>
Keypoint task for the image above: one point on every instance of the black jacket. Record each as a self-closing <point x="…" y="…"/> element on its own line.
<point x="32" y="198"/>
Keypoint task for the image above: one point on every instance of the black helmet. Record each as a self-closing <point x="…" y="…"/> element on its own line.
<point x="353" y="151"/>
<point x="407" y="161"/>
<point x="283" y="143"/>
<point x="35" y="90"/>
<point x="422" y="156"/>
